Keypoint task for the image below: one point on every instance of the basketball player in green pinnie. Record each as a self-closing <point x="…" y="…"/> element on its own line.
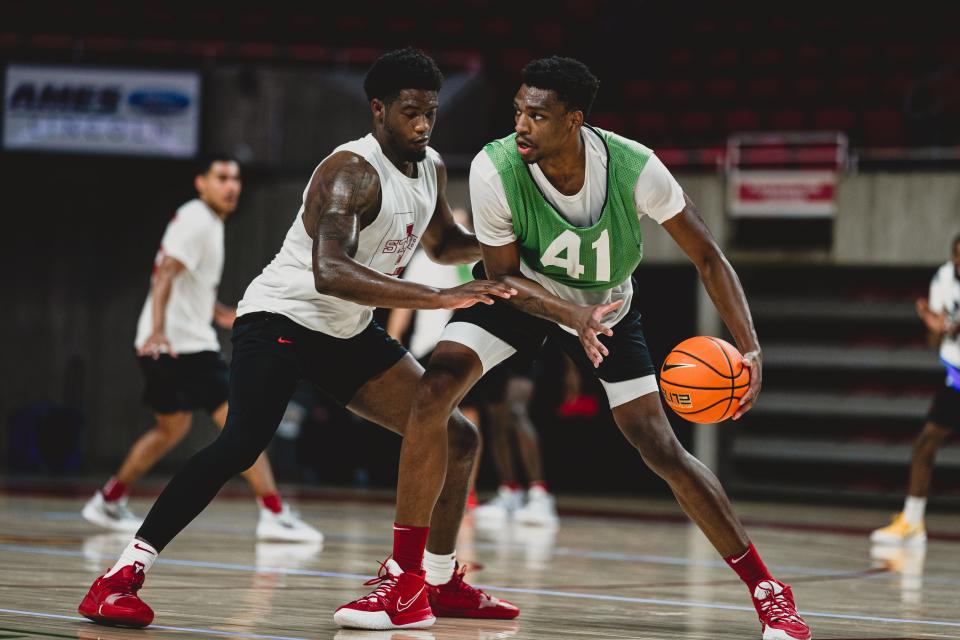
<point x="557" y="207"/>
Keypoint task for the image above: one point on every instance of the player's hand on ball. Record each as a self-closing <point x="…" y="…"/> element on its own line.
<point x="469" y="294"/>
<point x="753" y="360"/>
<point x="588" y="322"/>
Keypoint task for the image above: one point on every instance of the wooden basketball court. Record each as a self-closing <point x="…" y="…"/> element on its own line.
<point x="614" y="569"/>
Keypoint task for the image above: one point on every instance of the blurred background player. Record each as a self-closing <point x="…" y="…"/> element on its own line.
<point x="498" y="403"/>
<point x="505" y="396"/>
<point x="941" y="315"/>
<point x="179" y="355"/>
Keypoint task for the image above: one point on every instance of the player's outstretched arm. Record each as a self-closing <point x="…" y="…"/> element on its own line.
<point x="720" y="280"/>
<point x="344" y="198"/>
<point x="503" y="264"/>
<point x="445" y="240"/>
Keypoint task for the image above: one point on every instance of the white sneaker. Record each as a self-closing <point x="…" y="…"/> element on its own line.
<point x="114" y="515"/>
<point x="540" y="509"/>
<point x="283" y="555"/>
<point x="285" y="526"/>
<point x="502" y="507"/>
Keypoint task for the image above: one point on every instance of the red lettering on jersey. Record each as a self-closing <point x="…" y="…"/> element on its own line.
<point x="400" y="247"/>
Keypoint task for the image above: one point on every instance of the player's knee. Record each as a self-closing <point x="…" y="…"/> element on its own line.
<point x="663" y="456"/>
<point x="438" y="390"/>
<point x="232" y="455"/>
<point x="171" y="433"/>
<point x="462" y="436"/>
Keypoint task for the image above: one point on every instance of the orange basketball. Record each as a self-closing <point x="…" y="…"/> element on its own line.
<point x="703" y="379"/>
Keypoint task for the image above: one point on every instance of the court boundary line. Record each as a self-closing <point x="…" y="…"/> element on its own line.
<point x="208" y="632"/>
<point x="540" y="592"/>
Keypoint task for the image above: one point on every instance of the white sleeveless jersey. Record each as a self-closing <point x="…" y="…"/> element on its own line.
<point x="194" y="237"/>
<point x="286" y="285"/>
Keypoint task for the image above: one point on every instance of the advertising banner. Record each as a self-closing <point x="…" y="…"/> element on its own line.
<point x="101" y="111"/>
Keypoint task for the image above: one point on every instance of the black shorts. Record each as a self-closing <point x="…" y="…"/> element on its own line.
<point x="629" y="358"/>
<point x="188" y="382"/>
<point x="337" y="366"/>
<point x="945" y="409"/>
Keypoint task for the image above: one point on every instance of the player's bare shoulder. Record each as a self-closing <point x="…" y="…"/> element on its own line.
<point x="345" y="184"/>
<point x="439" y="166"/>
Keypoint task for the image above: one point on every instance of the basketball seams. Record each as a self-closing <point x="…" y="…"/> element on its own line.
<point x="680" y="385"/>
<point x="730" y="366"/>
<point x="690" y="413"/>
<point x="704" y="362"/>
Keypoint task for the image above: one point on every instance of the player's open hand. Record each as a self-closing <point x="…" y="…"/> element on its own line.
<point x="155" y="345"/>
<point x="753" y="361"/>
<point x="469" y="294"/>
<point x="588" y="323"/>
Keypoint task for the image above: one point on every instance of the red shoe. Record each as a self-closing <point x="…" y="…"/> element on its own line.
<point x="457" y="599"/>
<point x="779" y="619"/>
<point x="399" y="602"/>
<point x="113" y="601"/>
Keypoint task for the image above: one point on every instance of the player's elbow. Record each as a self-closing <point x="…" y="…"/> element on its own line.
<point x="710" y="262"/>
<point x="327" y="276"/>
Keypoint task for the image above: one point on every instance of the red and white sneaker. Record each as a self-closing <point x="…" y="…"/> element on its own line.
<point x="779" y="619"/>
<point x="457" y="599"/>
<point x="113" y="601"/>
<point x="399" y="602"/>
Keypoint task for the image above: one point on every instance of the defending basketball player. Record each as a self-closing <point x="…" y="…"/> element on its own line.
<point x="940" y="313"/>
<point x="309" y="315"/>
<point x="557" y="209"/>
<point x="179" y="355"/>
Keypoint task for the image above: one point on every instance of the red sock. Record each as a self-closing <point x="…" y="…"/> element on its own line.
<point x="513" y="486"/>
<point x="749" y="567"/>
<point x="272" y="502"/>
<point x="541" y="484"/>
<point x="409" y="544"/>
<point x="113" y="490"/>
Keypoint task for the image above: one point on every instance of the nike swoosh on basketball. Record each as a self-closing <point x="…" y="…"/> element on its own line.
<point x="679" y="365"/>
<point x="403" y="607"/>
<point x="136" y="545"/>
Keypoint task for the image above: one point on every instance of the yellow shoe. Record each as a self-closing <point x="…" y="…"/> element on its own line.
<point x="900" y="532"/>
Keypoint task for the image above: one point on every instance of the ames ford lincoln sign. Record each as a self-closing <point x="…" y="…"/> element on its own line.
<point x="120" y="111"/>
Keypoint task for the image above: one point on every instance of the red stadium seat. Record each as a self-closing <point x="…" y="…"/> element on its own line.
<point x="722" y="58"/>
<point x="883" y="127"/>
<point x="639" y="92"/>
<point x="855" y="55"/>
<point x="764" y="88"/>
<point x="681" y="91"/>
<point x="696" y="124"/>
<point x="720" y="89"/>
<point x="609" y="120"/>
<point x="808" y="87"/>
<point x="681" y="58"/>
<point x="852" y="87"/>
<point x="650" y="124"/>
<point x="741" y="120"/>
<point x="834" y="118"/>
<point x="788" y="120"/>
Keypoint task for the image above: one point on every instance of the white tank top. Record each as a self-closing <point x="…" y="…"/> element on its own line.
<point x="286" y="285"/>
<point x="194" y="237"/>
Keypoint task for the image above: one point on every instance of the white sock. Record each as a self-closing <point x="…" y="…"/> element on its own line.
<point x="913" y="509"/>
<point x="439" y="568"/>
<point x="137" y="551"/>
